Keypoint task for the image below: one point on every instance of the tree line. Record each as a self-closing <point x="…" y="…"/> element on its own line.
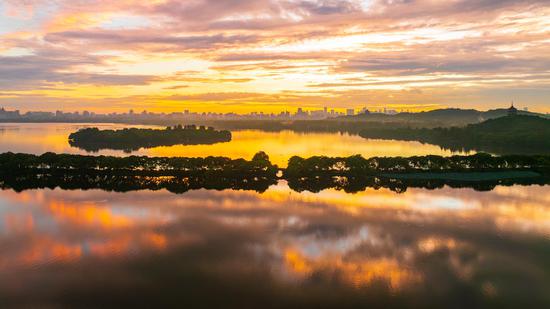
<point x="127" y="183"/>
<point x="138" y="165"/>
<point x="130" y="139"/>
<point x="351" y="174"/>
<point x="351" y="184"/>
<point x="261" y="165"/>
<point x="357" y="165"/>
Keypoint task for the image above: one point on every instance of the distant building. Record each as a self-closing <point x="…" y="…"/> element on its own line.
<point x="301" y="113"/>
<point x="365" y="111"/>
<point x="4" y="114"/>
<point x="512" y="111"/>
<point x="350" y="112"/>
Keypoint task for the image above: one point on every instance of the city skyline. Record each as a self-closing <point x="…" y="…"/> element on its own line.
<point x="243" y="56"/>
<point x="298" y="111"/>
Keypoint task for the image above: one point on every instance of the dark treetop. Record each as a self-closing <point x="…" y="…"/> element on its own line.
<point x="93" y="139"/>
<point x="352" y="174"/>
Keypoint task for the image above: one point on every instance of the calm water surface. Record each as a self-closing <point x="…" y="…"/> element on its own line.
<point x="444" y="248"/>
<point x="40" y="138"/>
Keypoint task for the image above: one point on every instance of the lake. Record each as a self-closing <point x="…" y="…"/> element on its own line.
<point x="442" y="248"/>
<point x="280" y="146"/>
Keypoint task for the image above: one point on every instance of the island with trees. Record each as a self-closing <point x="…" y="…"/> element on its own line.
<point x="177" y="174"/>
<point x="49" y="162"/>
<point x="481" y="172"/>
<point x="130" y="139"/>
<point x="425" y="165"/>
<point x="351" y="174"/>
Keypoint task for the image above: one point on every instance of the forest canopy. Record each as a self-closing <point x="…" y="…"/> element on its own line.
<point x="128" y="139"/>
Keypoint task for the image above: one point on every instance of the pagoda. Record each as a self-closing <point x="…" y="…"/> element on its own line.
<point x="512" y="111"/>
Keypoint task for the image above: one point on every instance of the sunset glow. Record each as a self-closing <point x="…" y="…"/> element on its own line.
<point x="270" y="56"/>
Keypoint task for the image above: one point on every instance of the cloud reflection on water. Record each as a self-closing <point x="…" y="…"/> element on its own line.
<point x="374" y="240"/>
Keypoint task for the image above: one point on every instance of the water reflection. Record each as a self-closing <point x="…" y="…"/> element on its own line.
<point x="40" y="138"/>
<point x="444" y="248"/>
<point x="180" y="184"/>
<point x="308" y="255"/>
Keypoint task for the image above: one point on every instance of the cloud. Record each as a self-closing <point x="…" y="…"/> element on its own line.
<point x="33" y="72"/>
<point x="407" y="66"/>
<point x="281" y="50"/>
<point x="326" y="7"/>
<point x="129" y="39"/>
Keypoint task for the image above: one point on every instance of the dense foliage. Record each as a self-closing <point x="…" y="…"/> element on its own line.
<point x="93" y="139"/>
<point x="357" y="165"/>
<point x="399" y="184"/>
<point x="352" y="174"/>
<point x="505" y="135"/>
<point x="182" y="184"/>
<point x="125" y="183"/>
<point x="19" y="163"/>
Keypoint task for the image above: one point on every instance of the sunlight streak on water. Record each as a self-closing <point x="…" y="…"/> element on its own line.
<point x="280" y="146"/>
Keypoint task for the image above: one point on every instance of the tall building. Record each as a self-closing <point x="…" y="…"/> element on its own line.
<point x="300" y="112"/>
<point x="350" y="112"/>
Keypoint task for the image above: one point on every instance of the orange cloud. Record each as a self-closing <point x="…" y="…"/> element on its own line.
<point x="350" y="53"/>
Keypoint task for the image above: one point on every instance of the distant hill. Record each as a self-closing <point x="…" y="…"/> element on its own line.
<point x="521" y="134"/>
<point x="375" y="122"/>
<point x="510" y="125"/>
<point x="440" y="117"/>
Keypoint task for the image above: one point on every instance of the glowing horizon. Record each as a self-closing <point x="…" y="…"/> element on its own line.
<point x="271" y="56"/>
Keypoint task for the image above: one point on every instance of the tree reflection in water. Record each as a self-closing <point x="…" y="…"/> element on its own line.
<point x="280" y="246"/>
<point x="182" y="184"/>
<point x="209" y="248"/>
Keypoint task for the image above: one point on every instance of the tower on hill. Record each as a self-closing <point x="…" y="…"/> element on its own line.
<point x="512" y="111"/>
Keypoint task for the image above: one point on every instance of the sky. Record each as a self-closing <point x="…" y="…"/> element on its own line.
<point x="271" y="56"/>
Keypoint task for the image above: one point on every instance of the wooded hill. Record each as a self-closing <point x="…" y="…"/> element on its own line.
<point x="519" y="134"/>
